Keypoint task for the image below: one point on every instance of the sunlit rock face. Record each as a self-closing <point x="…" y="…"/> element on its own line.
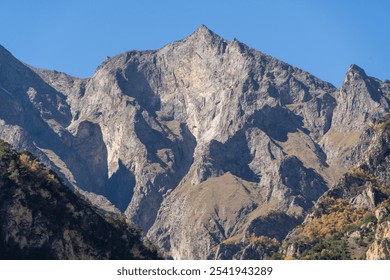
<point x="202" y="141"/>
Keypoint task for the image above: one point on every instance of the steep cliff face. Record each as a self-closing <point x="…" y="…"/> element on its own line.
<point x="380" y="248"/>
<point x="41" y="218"/>
<point x="207" y="144"/>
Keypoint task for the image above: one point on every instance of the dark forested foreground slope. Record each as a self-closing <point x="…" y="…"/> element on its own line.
<point x="216" y="150"/>
<point x="43" y="219"/>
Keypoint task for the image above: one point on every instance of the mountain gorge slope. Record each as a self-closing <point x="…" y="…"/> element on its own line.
<point x="351" y="220"/>
<point x="213" y="148"/>
<point x="43" y="219"/>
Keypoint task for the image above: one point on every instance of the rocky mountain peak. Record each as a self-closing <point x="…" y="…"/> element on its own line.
<point x="355" y="68"/>
<point x="203" y="36"/>
<point x="354" y="73"/>
<point x="203" y="31"/>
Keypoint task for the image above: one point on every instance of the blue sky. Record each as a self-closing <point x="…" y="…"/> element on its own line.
<point x="322" y="37"/>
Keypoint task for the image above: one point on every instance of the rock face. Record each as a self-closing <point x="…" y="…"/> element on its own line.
<point x="41" y="218"/>
<point x="380" y="249"/>
<point x="202" y="141"/>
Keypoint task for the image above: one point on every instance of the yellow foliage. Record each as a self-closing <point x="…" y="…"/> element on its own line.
<point x="359" y="172"/>
<point x="51" y="177"/>
<point x="34" y="166"/>
<point x="30" y="164"/>
<point x="263" y="240"/>
<point x="341" y="215"/>
<point x="381" y="125"/>
<point x="289" y="258"/>
<point x="24" y="159"/>
<point x="233" y="240"/>
<point x="272" y="210"/>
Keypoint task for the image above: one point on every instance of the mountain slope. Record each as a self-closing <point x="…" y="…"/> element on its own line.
<point x="210" y="146"/>
<point x="351" y="220"/>
<point x="43" y="219"/>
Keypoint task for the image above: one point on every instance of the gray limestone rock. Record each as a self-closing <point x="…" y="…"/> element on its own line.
<point x="195" y="142"/>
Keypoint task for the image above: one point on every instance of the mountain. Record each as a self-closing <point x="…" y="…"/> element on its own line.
<point x="42" y="218"/>
<point x="214" y="149"/>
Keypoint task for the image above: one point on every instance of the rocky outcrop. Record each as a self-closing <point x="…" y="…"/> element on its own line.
<point x="198" y="142"/>
<point x="380" y="248"/>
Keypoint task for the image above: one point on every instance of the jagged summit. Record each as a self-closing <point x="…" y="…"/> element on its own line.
<point x="203" y="30"/>
<point x="203" y="34"/>
<point x="355" y="74"/>
<point x="356" y="69"/>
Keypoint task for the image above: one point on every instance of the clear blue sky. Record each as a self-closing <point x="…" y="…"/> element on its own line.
<point x="322" y="37"/>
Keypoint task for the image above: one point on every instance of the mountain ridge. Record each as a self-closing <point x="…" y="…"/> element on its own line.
<point x="169" y="128"/>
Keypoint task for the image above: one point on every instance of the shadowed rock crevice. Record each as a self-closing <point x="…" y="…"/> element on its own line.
<point x="302" y="181"/>
<point x="134" y="82"/>
<point x="89" y="144"/>
<point x="275" y="225"/>
<point x="171" y="153"/>
<point x="153" y="138"/>
<point x="23" y="84"/>
<point x="277" y="122"/>
<point x="233" y="156"/>
<point x="119" y="188"/>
